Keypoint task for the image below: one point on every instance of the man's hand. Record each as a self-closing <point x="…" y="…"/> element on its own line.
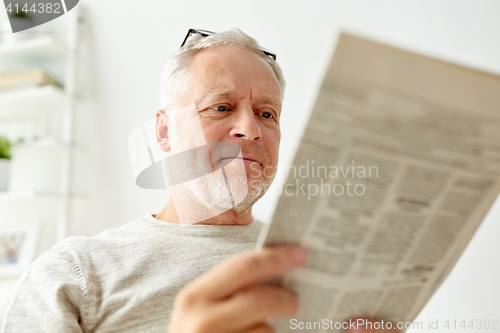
<point x="231" y="298"/>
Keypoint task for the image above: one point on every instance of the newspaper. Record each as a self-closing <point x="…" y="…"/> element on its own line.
<point x="397" y="167"/>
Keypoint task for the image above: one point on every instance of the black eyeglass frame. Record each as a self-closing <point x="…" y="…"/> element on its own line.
<point x="206" y="33"/>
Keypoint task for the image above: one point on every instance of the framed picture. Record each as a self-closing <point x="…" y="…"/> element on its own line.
<point x="18" y="245"/>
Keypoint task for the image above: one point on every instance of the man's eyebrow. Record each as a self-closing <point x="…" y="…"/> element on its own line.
<point x="272" y="101"/>
<point x="216" y="92"/>
<point x="227" y="92"/>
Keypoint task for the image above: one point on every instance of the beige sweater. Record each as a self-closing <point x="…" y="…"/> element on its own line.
<point x="122" y="280"/>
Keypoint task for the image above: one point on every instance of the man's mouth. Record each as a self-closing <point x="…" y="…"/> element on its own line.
<point x="246" y="160"/>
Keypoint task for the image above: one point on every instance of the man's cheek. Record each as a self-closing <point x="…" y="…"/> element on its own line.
<point x="213" y="130"/>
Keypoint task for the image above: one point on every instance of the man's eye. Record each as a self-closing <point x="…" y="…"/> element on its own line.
<point x="267" y="115"/>
<point x="221" y="108"/>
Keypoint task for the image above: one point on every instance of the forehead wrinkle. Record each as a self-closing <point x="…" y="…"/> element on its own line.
<point x="215" y="92"/>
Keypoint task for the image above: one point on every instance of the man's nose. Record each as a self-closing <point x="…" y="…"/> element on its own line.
<point x="245" y="125"/>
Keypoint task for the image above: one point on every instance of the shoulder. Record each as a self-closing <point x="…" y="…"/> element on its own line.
<point x="52" y="264"/>
<point x="125" y="234"/>
<point x="106" y="248"/>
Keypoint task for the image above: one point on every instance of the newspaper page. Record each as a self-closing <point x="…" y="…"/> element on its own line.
<point x="397" y="167"/>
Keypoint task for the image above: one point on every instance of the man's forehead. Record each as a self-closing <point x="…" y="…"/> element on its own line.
<point x="227" y="62"/>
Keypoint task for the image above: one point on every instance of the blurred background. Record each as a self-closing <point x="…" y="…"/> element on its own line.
<point x="101" y="74"/>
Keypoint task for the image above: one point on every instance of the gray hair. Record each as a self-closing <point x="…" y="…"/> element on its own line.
<point x="175" y="77"/>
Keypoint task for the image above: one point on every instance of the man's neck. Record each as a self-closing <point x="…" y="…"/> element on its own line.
<point x="230" y="217"/>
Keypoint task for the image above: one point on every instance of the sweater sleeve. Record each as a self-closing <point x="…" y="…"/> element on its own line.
<point x="51" y="296"/>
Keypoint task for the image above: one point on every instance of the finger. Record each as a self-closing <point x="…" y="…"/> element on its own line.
<point x="256" y="305"/>
<point x="247" y="269"/>
<point x="260" y="328"/>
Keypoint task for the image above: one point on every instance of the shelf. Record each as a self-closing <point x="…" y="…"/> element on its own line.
<point x="50" y="143"/>
<point x="41" y="178"/>
<point x="9" y="197"/>
<point x="12" y="197"/>
<point x="31" y="52"/>
<point x="31" y="102"/>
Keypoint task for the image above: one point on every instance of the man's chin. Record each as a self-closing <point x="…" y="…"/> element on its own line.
<point x="239" y="193"/>
<point x="247" y="194"/>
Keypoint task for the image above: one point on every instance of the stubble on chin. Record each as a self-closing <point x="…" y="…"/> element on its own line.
<point x="256" y="188"/>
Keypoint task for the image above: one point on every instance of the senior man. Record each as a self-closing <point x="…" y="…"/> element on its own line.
<point x="217" y="88"/>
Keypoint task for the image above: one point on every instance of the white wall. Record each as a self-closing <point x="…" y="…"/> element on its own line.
<point x="132" y="39"/>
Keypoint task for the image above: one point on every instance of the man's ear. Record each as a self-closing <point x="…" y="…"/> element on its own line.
<point x="162" y="138"/>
